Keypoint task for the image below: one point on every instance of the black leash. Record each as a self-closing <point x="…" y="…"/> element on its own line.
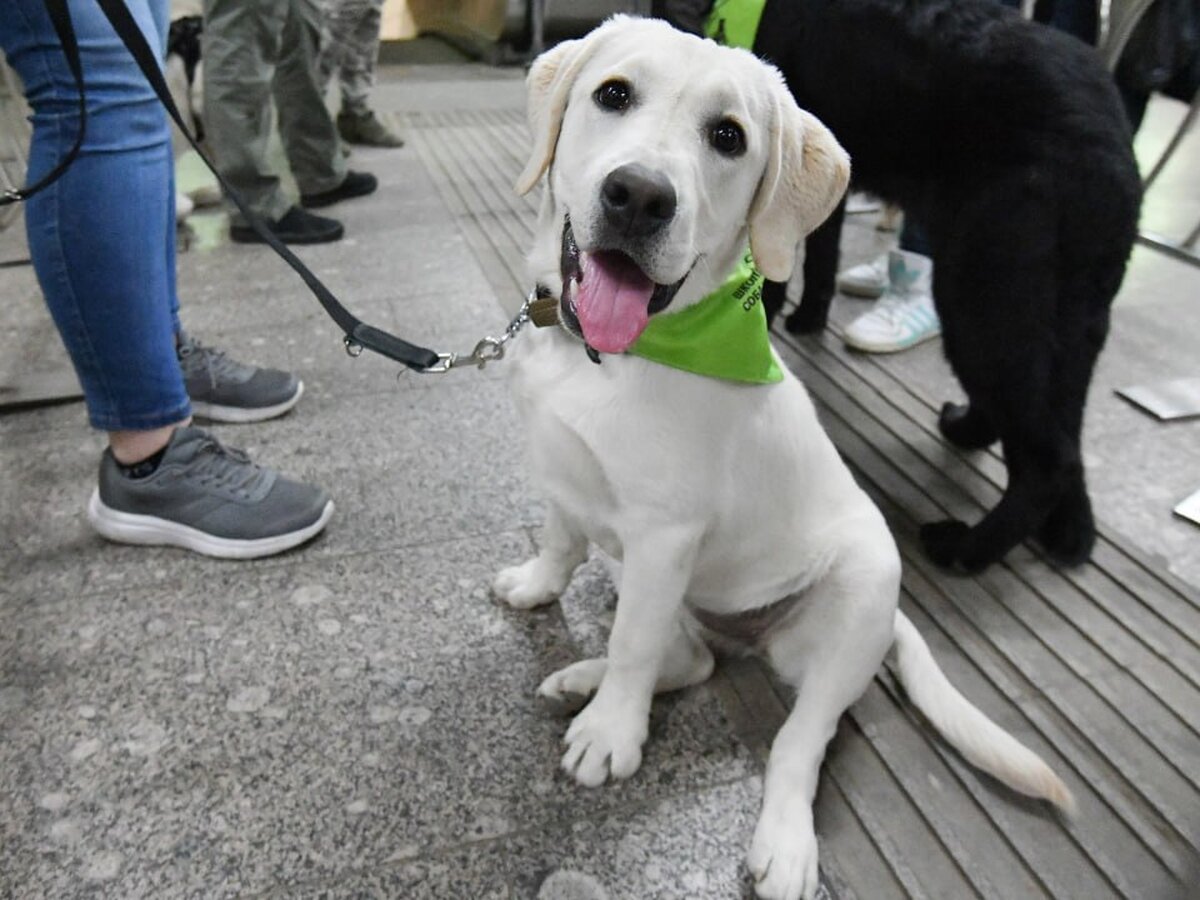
<point x="358" y="334"/>
<point x="61" y="19"/>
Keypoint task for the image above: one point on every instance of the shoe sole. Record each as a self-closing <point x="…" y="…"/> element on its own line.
<point x="869" y="347"/>
<point x="322" y="202"/>
<point x="253" y="237"/>
<point x="130" y="528"/>
<point x="867" y="291"/>
<point x="241" y="415"/>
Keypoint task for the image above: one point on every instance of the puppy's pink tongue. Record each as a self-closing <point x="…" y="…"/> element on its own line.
<point x="612" y="301"/>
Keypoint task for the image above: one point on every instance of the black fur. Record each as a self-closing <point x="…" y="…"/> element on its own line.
<point x="1008" y="141"/>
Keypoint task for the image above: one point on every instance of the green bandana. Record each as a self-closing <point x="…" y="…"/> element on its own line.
<point x="722" y="336"/>
<point x="734" y="23"/>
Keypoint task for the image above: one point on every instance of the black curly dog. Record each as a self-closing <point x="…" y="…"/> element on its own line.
<point x="1008" y="141"/>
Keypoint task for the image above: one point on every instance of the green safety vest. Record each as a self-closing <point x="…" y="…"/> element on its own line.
<point x="735" y="22"/>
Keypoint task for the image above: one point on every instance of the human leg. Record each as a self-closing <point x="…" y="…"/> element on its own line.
<point x="359" y="23"/>
<point x="305" y="126"/>
<point x="242" y="45"/>
<point x="904" y="315"/>
<point x="354" y="27"/>
<point x="111" y="296"/>
<point x="111" y="292"/>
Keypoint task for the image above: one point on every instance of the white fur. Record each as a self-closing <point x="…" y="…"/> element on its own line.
<point x="710" y="494"/>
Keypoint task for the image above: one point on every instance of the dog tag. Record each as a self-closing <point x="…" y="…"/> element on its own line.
<point x="543" y="311"/>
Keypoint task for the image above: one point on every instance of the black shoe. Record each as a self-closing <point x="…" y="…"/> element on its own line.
<point x="355" y="184"/>
<point x="294" y="227"/>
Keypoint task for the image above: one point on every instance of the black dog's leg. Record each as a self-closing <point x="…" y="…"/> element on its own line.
<point x="820" y="275"/>
<point x="1040" y="469"/>
<point x="967" y="426"/>
<point x="1037" y="404"/>
<point x="1069" y="532"/>
<point x="773" y="295"/>
<point x="1003" y="332"/>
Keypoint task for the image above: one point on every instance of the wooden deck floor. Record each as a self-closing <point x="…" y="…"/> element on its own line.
<point x="1098" y="669"/>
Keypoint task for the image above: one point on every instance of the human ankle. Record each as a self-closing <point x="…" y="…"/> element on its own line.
<point x="132" y="447"/>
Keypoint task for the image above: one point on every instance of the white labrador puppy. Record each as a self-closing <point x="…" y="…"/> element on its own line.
<point x="725" y="503"/>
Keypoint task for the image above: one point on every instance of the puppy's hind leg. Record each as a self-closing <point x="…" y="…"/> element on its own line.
<point x="831" y="653"/>
<point x="687" y="661"/>
<point x="540" y="580"/>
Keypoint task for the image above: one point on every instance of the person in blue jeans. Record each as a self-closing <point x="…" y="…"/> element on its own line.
<point x="102" y="241"/>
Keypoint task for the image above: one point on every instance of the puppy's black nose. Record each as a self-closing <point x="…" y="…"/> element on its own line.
<point x="637" y="201"/>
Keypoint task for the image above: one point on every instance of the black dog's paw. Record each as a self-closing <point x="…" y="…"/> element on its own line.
<point x="804" y="321"/>
<point x="965" y="427"/>
<point x="943" y="542"/>
<point x="1068" y="534"/>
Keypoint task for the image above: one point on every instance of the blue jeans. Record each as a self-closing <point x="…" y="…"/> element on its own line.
<point x="102" y="237"/>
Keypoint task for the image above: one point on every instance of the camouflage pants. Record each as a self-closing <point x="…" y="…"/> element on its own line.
<point x="351" y="49"/>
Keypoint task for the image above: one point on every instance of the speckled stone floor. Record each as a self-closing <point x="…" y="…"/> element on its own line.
<point x="356" y="719"/>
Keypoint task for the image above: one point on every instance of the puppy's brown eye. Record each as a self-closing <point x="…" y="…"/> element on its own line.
<point x="614" y="95"/>
<point x="727" y="138"/>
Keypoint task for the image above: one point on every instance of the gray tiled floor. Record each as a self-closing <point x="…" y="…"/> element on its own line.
<point x="357" y="718"/>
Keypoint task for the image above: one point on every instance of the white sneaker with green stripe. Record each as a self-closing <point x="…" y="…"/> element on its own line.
<point x="904" y="316"/>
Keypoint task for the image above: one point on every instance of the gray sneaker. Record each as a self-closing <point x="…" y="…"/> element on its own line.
<point x="209" y="498"/>
<point x="224" y="390"/>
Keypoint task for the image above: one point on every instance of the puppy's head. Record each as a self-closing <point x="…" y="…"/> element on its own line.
<point x="662" y="151"/>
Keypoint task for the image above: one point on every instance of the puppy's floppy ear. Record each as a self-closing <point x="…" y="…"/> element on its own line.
<point x="806" y="175"/>
<point x="547" y="87"/>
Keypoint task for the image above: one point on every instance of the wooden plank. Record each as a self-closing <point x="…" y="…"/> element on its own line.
<point x="1064" y="864"/>
<point x="1114" y="559"/>
<point x="904" y="839"/>
<point x="924" y="487"/>
<point x="1098" y="669"/>
<point x="980" y="850"/>
<point x="853" y="864"/>
<point x="1031" y="688"/>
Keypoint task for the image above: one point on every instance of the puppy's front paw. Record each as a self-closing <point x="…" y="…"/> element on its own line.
<point x="603" y="740"/>
<point x="783" y="855"/>
<point x="533" y="583"/>
<point x="567" y="690"/>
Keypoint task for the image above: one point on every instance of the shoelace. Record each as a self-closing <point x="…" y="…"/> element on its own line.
<point x="900" y="309"/>
<point x="226" y="467"/>
<point x="194" y="355"/>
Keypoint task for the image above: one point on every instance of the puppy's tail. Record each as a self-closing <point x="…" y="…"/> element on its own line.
<point x="981" y="741"/>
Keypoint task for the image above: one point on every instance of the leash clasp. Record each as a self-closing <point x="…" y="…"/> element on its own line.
<point x="486" y="351"/>
<point x="489" y="349"/>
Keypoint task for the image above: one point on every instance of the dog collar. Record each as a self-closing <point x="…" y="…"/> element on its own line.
<point x="723" y="336"/>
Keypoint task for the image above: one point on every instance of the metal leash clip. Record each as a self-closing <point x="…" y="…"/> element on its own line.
<point x="488" y="349"/>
